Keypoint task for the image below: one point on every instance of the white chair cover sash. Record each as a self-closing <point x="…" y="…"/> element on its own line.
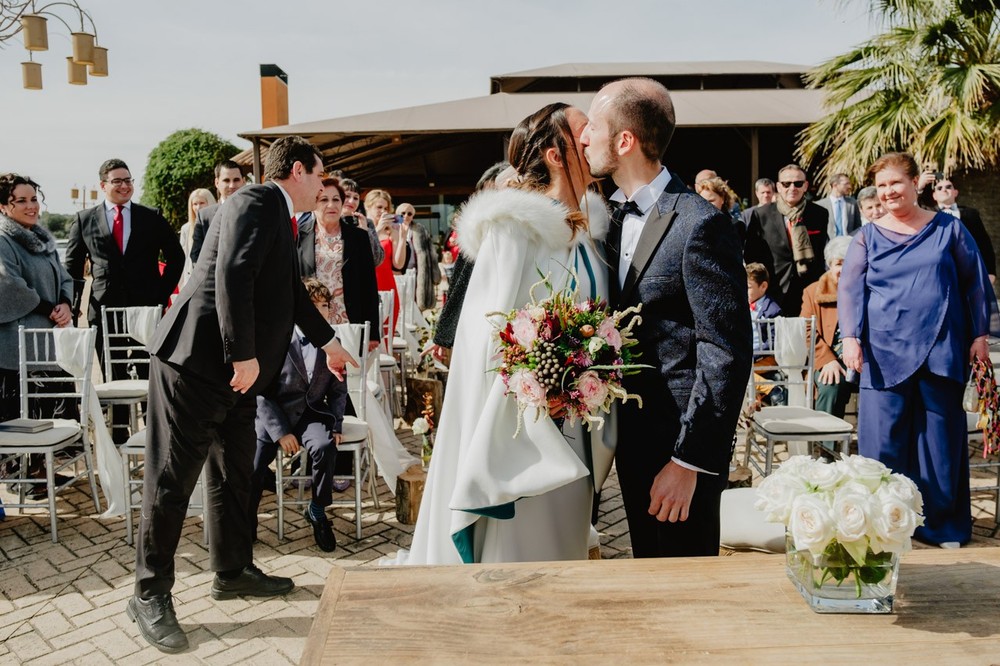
<point x="390" y="456"/>
<point x="142" y="322"/>
<point x="71" y="355"/>
<point x="409" y="313"/>
<point x="790" y="349"/>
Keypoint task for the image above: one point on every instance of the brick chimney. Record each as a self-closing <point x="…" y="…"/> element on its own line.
<point x="273" y="96"/>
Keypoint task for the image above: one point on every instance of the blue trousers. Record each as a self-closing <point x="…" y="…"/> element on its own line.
<point x="918" y="429"/>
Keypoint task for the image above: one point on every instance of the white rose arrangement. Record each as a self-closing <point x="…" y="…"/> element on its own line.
<point x="855" y="513"/>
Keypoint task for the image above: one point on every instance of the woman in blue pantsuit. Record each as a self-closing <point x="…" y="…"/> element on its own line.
<point x="913" y="303"/>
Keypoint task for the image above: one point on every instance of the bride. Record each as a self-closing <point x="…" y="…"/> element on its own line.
<point x="491" y="496"/>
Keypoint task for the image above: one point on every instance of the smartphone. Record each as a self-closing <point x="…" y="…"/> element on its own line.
<point x="398" y="219"/>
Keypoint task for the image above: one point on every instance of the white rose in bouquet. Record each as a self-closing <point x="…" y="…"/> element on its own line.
<point x="811" y="524"/>
<point x="865" y="470"/>
<point x="776" y="494"/>
<point x="852" y="507"/>
<point x="822" y="476"/>
<point x="903" y="488"/>
<point x="893" y="522"/>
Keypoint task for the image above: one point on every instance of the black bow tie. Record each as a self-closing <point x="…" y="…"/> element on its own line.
<point x="303" y="341"/>
<point x="621" y="209"/>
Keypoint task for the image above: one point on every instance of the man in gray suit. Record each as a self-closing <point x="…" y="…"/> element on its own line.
<point x="678" y="256"/>
<point x="845" y="218"/>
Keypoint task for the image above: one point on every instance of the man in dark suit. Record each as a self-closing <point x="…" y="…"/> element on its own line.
<point x="945" y="196"/>
<point x="228" y="179"/>
<point x="221" y="343"/>
<point x="124" y="241"/>
<point x="845" y="217"/>
<point x="674" y="253"/>
<point x="788" y="237"/>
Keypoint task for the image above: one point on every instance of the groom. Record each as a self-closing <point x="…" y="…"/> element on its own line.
<point x="674" y="253"/>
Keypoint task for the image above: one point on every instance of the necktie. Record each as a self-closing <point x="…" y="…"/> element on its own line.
<point x="838" y="216"/>
<point x="295" y="227"/>
<point x="118" y="228"/>
<point x="621" y="209"/>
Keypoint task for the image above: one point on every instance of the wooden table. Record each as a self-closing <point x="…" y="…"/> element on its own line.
<point x="693" y="610"/>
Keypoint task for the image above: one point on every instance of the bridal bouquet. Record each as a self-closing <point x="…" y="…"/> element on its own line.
<point x="565" y="356"/>
<point x="852" y="518"/>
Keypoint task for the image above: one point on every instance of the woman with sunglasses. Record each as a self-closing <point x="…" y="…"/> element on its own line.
<point x="421" y="256"/>
<point x="914" y="308"/>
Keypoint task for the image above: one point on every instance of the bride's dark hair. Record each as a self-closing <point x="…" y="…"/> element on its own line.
<point x="544" y="129"/>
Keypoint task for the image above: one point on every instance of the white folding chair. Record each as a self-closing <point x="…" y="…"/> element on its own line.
<point x="389" y="366"/>
<point x="788" y="423"/>
<point x="41" y="381"/>
<point x="133" y="454"/>
<point x="123" y="351"/>
<point x="355" y="437"/>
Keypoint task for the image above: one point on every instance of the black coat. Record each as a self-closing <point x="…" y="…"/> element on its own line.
<point x="695" y="331"/>
<point x="244" y="296"/>
<point x="360" y="286"/>
<point x="974" y="223"/>
<point x="767" y="243"/>
<point x="201" y="224"/>
<point x="124" y="280"/>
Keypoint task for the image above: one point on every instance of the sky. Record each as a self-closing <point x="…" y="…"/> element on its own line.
<point x="180" y="64"/>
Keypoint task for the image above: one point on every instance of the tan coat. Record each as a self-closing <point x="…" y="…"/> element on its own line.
<point x="820" y="299"/>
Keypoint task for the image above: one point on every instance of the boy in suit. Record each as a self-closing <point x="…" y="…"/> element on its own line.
<point x="305" y="409"/>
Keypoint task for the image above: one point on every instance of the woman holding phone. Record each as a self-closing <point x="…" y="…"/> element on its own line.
<point x="378" y="206"/>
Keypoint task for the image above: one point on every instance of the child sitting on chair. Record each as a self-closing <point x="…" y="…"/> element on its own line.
<point x="763" y="306"/>
<point x="306" y="408"/>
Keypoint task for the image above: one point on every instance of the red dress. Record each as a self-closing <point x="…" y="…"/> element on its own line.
<point x="386" y="281"/>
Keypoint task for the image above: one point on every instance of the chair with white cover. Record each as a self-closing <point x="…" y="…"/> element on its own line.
<point x="389" y="366"/>
<point x="125" y="333"/>
<point x="43" y="379"/>
<point x="797" y="421"/>
<point x="355" y="437"/>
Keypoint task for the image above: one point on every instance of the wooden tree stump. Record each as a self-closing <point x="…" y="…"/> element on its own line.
<point x="409" y="492"/>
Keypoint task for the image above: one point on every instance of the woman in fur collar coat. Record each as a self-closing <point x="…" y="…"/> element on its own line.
<point x="36" y="288"/>
<point x="492" y="496"/>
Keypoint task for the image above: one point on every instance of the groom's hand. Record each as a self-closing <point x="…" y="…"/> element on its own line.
<point x="670" y="496"/>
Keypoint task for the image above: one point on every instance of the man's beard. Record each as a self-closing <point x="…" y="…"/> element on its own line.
<point x="607" y="169"/>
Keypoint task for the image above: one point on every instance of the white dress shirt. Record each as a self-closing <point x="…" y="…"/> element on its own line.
<point x="952" y="210"/>
<point x="109" y="213"/>
<point x="308" y="354"/>
<point x="645" y="198"/>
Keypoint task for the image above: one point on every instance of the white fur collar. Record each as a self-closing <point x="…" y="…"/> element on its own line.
<point x="533" y="213"/>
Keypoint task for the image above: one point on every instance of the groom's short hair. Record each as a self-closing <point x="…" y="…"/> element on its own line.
<point x="643" y="106"/>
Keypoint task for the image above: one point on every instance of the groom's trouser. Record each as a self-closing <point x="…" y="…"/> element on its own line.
<point x="194" y="422"/>
<point x="645" y="442"/>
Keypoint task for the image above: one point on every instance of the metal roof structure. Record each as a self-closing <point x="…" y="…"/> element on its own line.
<point x="442" y="148"/>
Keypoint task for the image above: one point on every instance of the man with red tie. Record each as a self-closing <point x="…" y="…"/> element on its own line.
<point x="123" y="241"/>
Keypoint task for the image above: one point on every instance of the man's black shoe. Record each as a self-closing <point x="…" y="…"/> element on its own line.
<point x="252" y="582"/>
<point x="158" y="622"/>
<point x="322" y="532"/>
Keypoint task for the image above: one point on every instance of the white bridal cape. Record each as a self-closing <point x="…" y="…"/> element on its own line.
<point x="490" y="496"/>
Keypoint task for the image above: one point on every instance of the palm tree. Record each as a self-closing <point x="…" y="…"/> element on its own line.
<point x="929" y="85"/>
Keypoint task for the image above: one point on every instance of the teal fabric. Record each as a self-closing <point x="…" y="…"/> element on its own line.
<point x="463" y="539"/>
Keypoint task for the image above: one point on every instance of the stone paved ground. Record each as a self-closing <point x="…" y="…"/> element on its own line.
<point x="65" y="603"/>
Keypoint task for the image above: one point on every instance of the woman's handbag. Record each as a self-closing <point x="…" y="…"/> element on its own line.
<point x="981" y="397"/>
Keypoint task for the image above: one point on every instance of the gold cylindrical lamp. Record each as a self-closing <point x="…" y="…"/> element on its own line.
<point x="75" y="72"/>
<point x="36" y="32"/>
<point x="83" y="48"/>
<point x="31" y="75"/>
<point x="100" y="66"/>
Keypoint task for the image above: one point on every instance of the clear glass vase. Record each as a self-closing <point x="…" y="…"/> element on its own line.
<point x="834" y="583"/>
